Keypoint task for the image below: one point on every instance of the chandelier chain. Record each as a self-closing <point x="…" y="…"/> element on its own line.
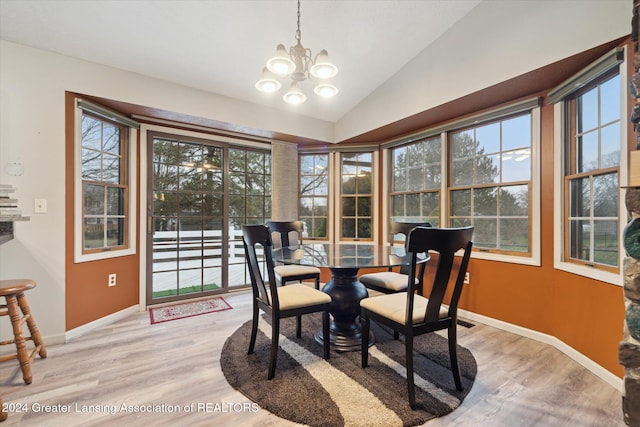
<point x="298" y="34"/>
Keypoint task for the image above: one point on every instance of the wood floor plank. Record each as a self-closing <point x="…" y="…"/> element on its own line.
<point x="174" y="368"/>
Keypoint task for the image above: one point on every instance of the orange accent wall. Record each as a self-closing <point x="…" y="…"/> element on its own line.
<point x="87" y="296"/>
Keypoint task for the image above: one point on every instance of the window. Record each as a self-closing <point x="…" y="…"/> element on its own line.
<point x="104" y="193"/>
<point x="249" y="187"/>
<point x="490" y="183"/>
<point x="314" y="194"/>
<point x="104" y="182"/>
<point x="482" y="170"/>
<point x="249" y="203"/>
<point x="589" y="138"/>
<point x="417" y="172"/>
<point x="592" y="174"/>
<point x="356" y="195"/>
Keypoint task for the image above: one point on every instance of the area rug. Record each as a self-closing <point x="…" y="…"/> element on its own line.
<point x="337" y="392"/>
<point x="189" y="309"/>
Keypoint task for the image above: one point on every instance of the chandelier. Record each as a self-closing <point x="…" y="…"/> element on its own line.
<point x="299" y="66"/>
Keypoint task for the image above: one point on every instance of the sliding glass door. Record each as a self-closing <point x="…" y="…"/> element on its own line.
<point x="200" y="194"/>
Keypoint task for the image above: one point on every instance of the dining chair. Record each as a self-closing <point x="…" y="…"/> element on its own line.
<point x="390" y="281"/>
<point x="278" y="302"/>
<point x="292" y="273"/>
<point x="412" y="314"/>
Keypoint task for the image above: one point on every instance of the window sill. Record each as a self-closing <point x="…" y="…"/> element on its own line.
<point x="591" y="273"/>
<point x="97" y="256"/>
<point x="512" y="259"/>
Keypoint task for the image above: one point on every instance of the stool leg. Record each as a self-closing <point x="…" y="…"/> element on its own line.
<point x="31" y="323"/>
<point x="3" y="415"/>
<point x="23" y="355"/>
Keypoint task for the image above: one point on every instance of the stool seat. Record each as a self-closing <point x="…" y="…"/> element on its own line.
<point x="16" y="302"/>
<point x="8" y="287"/>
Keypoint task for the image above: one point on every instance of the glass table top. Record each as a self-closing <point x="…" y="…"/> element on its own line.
<point x="345" y="255"/>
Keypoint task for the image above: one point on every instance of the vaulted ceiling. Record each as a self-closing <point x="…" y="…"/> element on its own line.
<point x="220" y="46"/>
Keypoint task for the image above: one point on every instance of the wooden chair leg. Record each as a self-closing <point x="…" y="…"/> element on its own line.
<point x="317" y="283"/>
<point x="299" y="326"/>
<point x="396" y="335"/>
<point x="31" y="324"/>
<point x="365" y="325"/>
<point x="254" y="327"/>
<point x="453" y="355"/>
<point x="275" y="335"/>
<point x="411" y="388"/>
<point x="21" y="347"/>
<point x="3" y="414"/>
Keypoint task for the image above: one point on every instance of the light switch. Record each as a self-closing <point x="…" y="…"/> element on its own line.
<point x="40" y="206"/>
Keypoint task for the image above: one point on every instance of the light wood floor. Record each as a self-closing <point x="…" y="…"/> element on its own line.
<point x="520" y="382"/>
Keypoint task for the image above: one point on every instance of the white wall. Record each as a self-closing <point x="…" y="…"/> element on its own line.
<point x="482" y="50"/>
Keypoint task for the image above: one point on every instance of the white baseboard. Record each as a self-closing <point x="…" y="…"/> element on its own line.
<point x="583" y="360"/>
<point x="111" y="318"/>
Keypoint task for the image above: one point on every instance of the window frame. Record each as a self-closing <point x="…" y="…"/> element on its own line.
<point x="498" y="185"/>
<point x="312" y="217"/>
<point x="392" y="192"/>
<point x="596" y="73"/>
<point x="531" y="105"/>
<point x="341" y="196"/>
<point x="129" y="131"/>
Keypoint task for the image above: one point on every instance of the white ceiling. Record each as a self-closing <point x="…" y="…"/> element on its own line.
<point x="220" y="46"/>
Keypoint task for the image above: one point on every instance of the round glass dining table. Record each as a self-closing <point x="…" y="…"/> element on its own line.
<point x="344" y="261"/>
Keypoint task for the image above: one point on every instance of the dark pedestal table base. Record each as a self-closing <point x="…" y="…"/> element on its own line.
<point x="346" y="293"/>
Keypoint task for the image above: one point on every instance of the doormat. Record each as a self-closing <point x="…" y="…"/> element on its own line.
<point x="189" y="309"/>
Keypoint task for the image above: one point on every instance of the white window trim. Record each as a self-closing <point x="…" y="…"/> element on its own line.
<point x="132" y="198"/>
<point x="558" y="201"/>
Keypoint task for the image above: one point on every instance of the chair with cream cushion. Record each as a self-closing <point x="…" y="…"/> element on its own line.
<point x="412" y="314"/>
<point x="391" y="281"/>
<point x="278" y="301"/>
<point x="292" y="273"/>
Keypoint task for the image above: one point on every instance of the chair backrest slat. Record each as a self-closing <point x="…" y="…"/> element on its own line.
<point x="446" y="242"/>
<point x="404" y="228"/>
<point x="284" y="229"/>
<point x="253" y="237"/>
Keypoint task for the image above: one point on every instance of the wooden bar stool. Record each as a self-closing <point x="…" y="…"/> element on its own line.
<point x="13" y="292"/>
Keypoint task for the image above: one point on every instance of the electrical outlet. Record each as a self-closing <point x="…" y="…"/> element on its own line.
<point x="467" y="278"/>
<point x="112" y="279"/>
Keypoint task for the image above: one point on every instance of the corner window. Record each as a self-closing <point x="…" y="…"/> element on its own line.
<point x="590" y="146"/>
<point x="356" y="195"/>
<point x="105" y="194"/>
<point x="417" y="176"/>
<point x="592" y="174"/>
<point x="314" y="194"/>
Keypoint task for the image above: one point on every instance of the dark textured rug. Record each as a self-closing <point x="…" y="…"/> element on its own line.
<point x="337" y="392"/>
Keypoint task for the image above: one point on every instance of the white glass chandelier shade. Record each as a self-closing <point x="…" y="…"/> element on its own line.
<point x="280" y="63"/>
<point x="299" y="65"/>
<point x="325" y="90"/>
<point x="294" y="95"/>
<point x="268" y="82"/>
<point x="322" y="67"/>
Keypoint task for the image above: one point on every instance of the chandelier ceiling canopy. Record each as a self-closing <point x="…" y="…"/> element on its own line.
<point x="298" y="64"/>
